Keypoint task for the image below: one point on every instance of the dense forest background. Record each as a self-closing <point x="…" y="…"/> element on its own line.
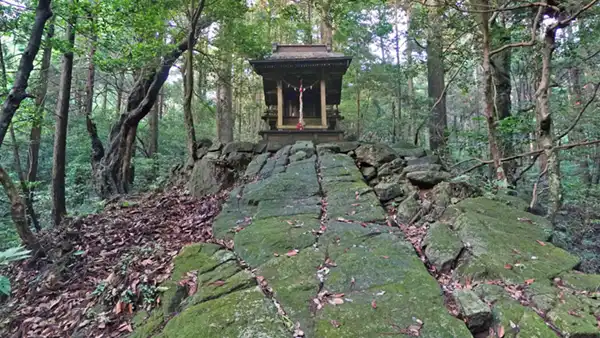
<point x="505" y="91"/>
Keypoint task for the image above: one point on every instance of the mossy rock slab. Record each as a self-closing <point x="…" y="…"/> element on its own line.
<point x="581" y="281"/>
<point x="295" y="284"/>
<point x="245" y="313"/>
<point x="385" y="310"/>
<point x="442" y="246"/>
<point x="232" y="216"/>
<point x="575" y="316"/>
<point x="277" y="235"/>
<point x="283" y="186"/>
<point x="305" y="206"/>
<point x="367" y="208"/>
<point x="498" y="236"/>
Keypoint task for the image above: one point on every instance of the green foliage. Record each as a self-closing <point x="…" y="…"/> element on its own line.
<point x="11" y="255"/>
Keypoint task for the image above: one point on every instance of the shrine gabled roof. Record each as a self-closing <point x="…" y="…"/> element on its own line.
<point x="302" y="56"/>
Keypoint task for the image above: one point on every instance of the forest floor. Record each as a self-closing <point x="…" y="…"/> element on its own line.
<point x="102" y="268"/>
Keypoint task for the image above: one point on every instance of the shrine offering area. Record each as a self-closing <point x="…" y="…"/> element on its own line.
<point x="365" y="240"/>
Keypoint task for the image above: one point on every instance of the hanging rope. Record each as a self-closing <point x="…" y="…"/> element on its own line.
<point x="300" y="125"/>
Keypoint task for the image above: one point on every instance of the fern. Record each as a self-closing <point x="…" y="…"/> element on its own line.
<point x="11" y="255"/>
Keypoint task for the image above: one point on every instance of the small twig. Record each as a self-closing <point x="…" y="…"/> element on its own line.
<point x="592" y="99"/>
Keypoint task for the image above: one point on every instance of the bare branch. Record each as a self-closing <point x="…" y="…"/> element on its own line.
<point x="529" y="43"/>
<point x="592" y="99"/>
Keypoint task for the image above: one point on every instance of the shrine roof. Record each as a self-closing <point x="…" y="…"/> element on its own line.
<point x="301" y="56"/>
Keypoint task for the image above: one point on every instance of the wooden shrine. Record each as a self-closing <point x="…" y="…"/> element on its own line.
<point x="302" y="87"/>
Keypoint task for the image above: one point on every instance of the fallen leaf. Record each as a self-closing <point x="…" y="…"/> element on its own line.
<point x="130" y="308"/>
<point x="540" y="242"/>
<point x="574" y="313"/>
<point x="373" y="304"/>
<point x="275" y="254"/>
<point x="356" y="204"/>
<point x="290" y="222"/>
<point x="500" y="331"/>
<point x="385" y="257"/>
<point x="118" y="307"/>
<point x="335" y="323"/>
<point x="352" y="282"/>
<point x="508" y="266"/>
<point x="336" y="301"/>
<point x="516" y="251"/>
<point x="125" y="327"/>
<point x="218" y="283"/>
<point x="363" y="224"/>
<point x="526" y="220"/>
<point x="292" y="253"/>
<point x="529" y="281"/>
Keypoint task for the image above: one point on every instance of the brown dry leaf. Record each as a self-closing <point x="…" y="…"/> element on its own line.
<point x="529" y="281"/>
<point x="290" y="222"/>
<point x="329" y="262"/>
<point x="356" y="204"/>
<point x="526" y="220"/>
<point x="385" y="257"/>
<point x="540" y="242"/>
<point x="335" y="323"/>
<point x="363" y="224"/>
<point x="574" y="313"/>
<point x="373" y="304"/>
<point x="292" y="253"/>
<point x="275" y="254"/>
<point x="125" y="327"/>
<point x="130" y="308"/>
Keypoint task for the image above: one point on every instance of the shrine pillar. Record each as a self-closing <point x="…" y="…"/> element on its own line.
<point x="323" y="105"/>
<point x="279" y="104"/>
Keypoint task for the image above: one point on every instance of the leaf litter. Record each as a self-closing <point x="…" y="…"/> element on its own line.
<point x="128" y="250"/>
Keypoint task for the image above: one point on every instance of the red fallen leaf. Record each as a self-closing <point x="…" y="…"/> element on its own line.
<point x="335" y="323"/>
<point x="341" y="219"/>
<point x="364" y="225"/>
<point x="130" y="308"/>
<point x="500" y="331"/>
<point x="386" y="257"/>
<point x="217" y="283"/>
<point x="529" y="281"/>
<point x="508" y="266"/>
<point x="292" y="253"/>
<point x="355" y="204"/>
<point x="373" y="304"/>
<point x="329" y="262"/>
<point x="540" y="242"/>
<point x="337" y="295"/>
<point x="336" y="301"/>
<point x="118" y="307"/>
<point x="574" y="313"/>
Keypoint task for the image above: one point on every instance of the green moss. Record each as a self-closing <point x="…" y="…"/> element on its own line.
<point x="581" y="281"/>
<point x="498" y="235"/>
<point x="574" y="316"/>
<point x="149" y="327"/>
<point x="442" y="246"/>
<point x="398" y="306"/>
<point x="195" y="257"/>
<point x="295" y="284"/>
<point x="265" y="237"/>
<point x="244" y="313"/>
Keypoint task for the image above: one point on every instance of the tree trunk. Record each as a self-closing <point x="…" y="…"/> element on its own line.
<point x="59" y="208"/>
<point x="551" y="163"/>
<point x="225" y="102"/>
<point x="23" y="182"/>
<point x="488" y="93"/>
<point x="188" y="85"/>
<point x="40" y="101"/>
<point x="326" y="23"/>
<point x="435" y="83"/>
<point x="153" y="124"/>
<point x="503" y="88"/>
<point x="578" y="133"/>
<point x="410" y="88"/>
<point x="111" y="175"/>
<point x="120" y="84"/>
<point x="18" y="92"/>
<point x="17" y="212"/>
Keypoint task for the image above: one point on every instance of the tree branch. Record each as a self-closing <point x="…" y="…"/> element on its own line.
<point x="592" y="99"/>
<point x="529" y="43"/>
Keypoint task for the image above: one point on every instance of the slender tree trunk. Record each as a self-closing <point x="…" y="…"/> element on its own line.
<point x="578" y="133"/>
<point x="40" y="102"/>
<point x="545" y="127"/>
<point x="18" y="92"/>
<point x="17" y="212"/>
<point x="503" y="89"/>
<point x="225" y="101"/>
<point x="435" y="83"/>
<point x="59" y="208"/>
<point x="410" y="88"/>
<point x="153" y="122"/>
<point x="120" y="83"/>
<point x="188" y="86"/>
<point x="488" y="92"/>
<point x="326" y="23"/>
